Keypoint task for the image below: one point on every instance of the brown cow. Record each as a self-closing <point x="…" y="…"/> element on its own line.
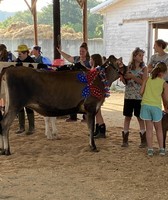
<point x="52" y="94"/>
<point x="164" y="127"/>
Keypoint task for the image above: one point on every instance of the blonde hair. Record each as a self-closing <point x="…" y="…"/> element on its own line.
<point x="131" y="64"/>
<point x="160" y="67"/>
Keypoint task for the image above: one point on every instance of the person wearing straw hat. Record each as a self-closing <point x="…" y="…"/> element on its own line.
<point x="23" y="56"/>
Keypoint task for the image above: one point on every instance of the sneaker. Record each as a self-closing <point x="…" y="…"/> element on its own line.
<point x="150" y="152"/>
<point x="162" y="152"/>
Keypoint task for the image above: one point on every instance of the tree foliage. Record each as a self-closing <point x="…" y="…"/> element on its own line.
<point x="71" y="16"/>
<point x="46" y="15"/>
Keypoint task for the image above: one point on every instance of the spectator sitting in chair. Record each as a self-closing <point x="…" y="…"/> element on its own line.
<point x="38" y="58"/>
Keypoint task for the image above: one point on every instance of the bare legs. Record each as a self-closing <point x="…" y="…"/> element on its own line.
<point x="149" y="133"/>
<point x="125" y="132"/>
<point x="99" y="118"/>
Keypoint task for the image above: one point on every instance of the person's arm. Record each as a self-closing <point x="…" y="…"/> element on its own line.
<point x="137" y="79"/>
<point x="150" y="63"/>
<point x="66" y="56"/>
<point x="165" y="97"/>
<point x="143" y="86"/>
<point x="122" y="79"/>
<point x="150" y="67"/>
<point x="145" y="73"/>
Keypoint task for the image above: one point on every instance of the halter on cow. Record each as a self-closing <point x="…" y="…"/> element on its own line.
<point x="52" y="94"/>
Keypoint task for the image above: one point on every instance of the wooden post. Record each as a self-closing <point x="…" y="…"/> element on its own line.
<point x="56" y="27"/>
<point x="85" y="27"/>
<point x="34" y="12"/>
<point x="156" y="33"/>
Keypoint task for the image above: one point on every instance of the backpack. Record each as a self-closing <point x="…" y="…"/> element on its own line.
<point x="46" y="61"/>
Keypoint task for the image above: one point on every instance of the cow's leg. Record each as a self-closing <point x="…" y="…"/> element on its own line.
<point x="164" y="138"/>
<point x="164" y="128"/>
<point x="6" y="122"/>
<point x="54" y="128"/>
<point x="91" y="125"/>
<point x="47" y="128"/>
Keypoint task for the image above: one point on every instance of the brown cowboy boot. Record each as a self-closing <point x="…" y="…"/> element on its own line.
<point x="125" y="139"/>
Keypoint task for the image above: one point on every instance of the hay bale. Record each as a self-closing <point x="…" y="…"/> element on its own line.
<point x="22" y="30"/>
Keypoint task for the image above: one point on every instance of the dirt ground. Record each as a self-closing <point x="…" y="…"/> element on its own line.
<point x="65" y="169"/>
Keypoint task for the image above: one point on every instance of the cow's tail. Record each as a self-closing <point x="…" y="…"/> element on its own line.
<point x="2" y="86"/>
<point x="2" y="96"/>
<point x="1" y="117"/>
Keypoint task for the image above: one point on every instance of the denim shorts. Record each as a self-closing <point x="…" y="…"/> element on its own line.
<point x="152" y="113"/>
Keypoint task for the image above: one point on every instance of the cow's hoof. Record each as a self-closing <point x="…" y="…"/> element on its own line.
<point x="57" y="137"/>
<point x="93" y="149"/>
<point x="1" y="151"/>
<point x="5" y="152"/>
<point x="50" y="137"/>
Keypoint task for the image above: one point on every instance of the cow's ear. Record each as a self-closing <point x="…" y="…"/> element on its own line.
<point x="42" y="66"/>
<point x="120" y="59"/>
<point x="19" y="64"/>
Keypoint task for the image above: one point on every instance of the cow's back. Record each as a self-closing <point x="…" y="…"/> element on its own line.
<point x="36" y="88"/>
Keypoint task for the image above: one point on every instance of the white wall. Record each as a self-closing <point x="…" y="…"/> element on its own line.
<point x="69" y="46"/>
<point x="126" y="26"/>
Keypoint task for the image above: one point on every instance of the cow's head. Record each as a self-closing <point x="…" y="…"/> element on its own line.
<point x="114" y="67"/>
<point x="114" y="62"/>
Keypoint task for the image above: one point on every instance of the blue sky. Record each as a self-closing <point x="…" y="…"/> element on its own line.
<point x="20" y="5"/>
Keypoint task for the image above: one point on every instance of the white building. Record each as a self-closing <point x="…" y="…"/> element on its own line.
<point x="132" y="23"/>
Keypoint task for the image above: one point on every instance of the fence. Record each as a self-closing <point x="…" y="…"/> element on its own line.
<point x="69" y="46"/>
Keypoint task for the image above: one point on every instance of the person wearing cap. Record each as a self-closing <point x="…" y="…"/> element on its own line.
<point x="36" y="52"/>
<point x="23" y="56"/>
<point x="38" y="58"/>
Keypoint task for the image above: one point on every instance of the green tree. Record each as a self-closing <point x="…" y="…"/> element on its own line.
<point x="70" y="12"/>
<point x="25" y="16"/>
<point x="45" y="16"/>
<point x="95" y="22"/>
<point x="71" y="16"/>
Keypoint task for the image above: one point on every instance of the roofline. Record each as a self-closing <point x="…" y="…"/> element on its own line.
<point x="102" y="6"/>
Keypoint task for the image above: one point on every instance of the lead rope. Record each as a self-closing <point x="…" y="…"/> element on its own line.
<point x="104" y="80"/>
